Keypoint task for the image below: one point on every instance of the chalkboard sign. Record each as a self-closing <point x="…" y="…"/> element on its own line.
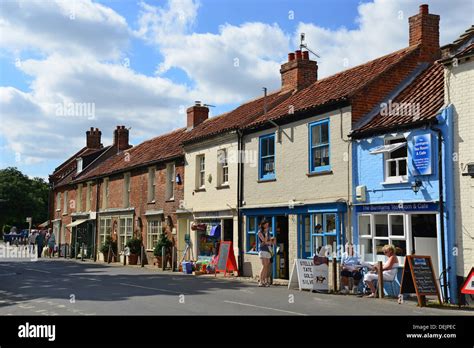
<point x="226" y="261"/>
<point x="418" y="277"/>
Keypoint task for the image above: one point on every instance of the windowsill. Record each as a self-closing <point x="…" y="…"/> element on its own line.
<point x="151" y="202"/>
<point x="225" y="186"/>
<point x="266" y="180"/>
<point x="169" y="200"/>
<point x="200" y="190"/>
<point x="64" y="214"/>
<point x="323" y="172"/>
<point x="58" y="210"/>
<point x="395" y="181"/>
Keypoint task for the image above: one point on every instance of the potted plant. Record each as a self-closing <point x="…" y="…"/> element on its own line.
<point x="163" y="241"/>
<point x="109" y="244"/>
<point x="135" y="245"/>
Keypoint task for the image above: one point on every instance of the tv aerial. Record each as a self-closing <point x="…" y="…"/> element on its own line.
<point x="303" y="45"/>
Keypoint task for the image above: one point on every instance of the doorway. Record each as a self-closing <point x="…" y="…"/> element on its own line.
<point x="424" y="237"/>
<point x="228" y="230"/>
<point x="282" y="263"/>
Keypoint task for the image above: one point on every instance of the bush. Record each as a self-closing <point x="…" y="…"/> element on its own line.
<point x="135" y="245"/>
<point x="162" y="242"/>
<point x="105" y="246"/>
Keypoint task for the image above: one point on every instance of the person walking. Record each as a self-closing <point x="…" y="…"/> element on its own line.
<point x="265" y="244"/>
<point x="51" y="244"/>
<point x="32" y="241"/>
<point x="40" y="242"/>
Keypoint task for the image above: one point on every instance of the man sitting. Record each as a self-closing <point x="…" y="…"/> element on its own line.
<point x="351" y="268"/>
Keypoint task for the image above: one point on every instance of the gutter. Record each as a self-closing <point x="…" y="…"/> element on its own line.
<point x="240" y="191"/>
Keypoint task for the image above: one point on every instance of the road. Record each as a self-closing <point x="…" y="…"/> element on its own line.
<point x="69" y="287"/>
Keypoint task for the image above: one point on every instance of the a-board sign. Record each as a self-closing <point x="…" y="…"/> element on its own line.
<point x="301" y="274"/>
<point x="226" y="260"/>
<point x="321" y="275"/>
<point x="419" y="277"/>
<point x="468" y="286"/>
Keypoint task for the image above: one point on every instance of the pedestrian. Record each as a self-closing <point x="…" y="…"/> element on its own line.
<point x="40" y="242"/>
<point x="265" y="245"/>
<point x="51" y="244"/>
<point x="32" y="241"/>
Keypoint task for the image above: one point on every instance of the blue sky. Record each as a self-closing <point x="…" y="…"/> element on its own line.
<point x="142" y="63"/>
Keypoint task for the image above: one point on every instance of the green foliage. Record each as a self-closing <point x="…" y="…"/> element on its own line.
<point x="162" y="242"/>
<point x="104" y="248"/>
<point x="135" y="245"/>
<point x="21" y="197"/>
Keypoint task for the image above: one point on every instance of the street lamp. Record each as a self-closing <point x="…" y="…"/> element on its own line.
<point x="415" y="186"/>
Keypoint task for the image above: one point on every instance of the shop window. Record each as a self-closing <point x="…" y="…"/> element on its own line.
<point x="125" y="231"/>
<point x="307" y="235"/>
<point x="153" y="233"/>
<point x="253" y="226"/>
<point x="319" y="146"/>
<point x="267" y="157"/>
<point x="396" y="161"/>
<point x="377" y="230"/>
<point x="323" y="232"/>
<point x="105" y="229"/>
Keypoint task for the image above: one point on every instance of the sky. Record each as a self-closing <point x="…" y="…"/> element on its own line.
<point x="69" y="65"/>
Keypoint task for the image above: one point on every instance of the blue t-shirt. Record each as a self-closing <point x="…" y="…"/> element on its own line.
<point x="348" y="260"/>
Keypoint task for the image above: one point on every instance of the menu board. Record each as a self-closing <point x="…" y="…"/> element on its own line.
<point x="223" y="256"/>
<point x="418" y="277"/>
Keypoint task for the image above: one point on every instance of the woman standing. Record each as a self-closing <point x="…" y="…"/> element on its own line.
<point x="51" y="244"/>
<point x="265" y="244"/>
<point x="389" y="269"/>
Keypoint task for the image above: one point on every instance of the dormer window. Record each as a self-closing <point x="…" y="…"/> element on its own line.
<point x="79" y="165"/>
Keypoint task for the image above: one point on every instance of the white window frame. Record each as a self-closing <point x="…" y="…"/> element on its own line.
<point x="153" y="231"/>
<point x="79" y="165"/>
<point x="387" y="160"/>
<point x="88" y="196"/>
<point x="372" y="238"/>
<point x="105" y="229"/>
<point x="170" y="180"/>
<point x="125" y="227"/>
<point x="151" y="193"/>
<point x="223" y="166"/>
<point x="65" y="205"/>
<point x="201" y="171"/>
<point x="58" y="201"/>
<point x="79" y="198"/>
<point x="126" y="189"/>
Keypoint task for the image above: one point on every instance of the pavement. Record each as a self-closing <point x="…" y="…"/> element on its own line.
<point x="70" y="287"/>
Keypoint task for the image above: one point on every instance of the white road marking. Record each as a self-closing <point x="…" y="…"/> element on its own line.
<point x="273" y="309"/>
<point x="95" y="280"/>
<point x="37" y="270"/>
<point x="146" y="287"/>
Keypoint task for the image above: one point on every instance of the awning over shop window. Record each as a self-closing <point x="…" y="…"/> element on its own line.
<point x="44" y="224"/>
<point x="77" y="222"/>
<point x="387" y="148"/>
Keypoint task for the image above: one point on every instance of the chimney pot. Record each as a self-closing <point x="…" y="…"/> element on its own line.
<point x="93" y="138"/>
<point x="121" y="138"/>
<point x="298" y="54"/>
<point x="305" y="55"/>
<point x="424" y="9"/>
<point x="196" y="114"/>
<point x="291" y="56"/>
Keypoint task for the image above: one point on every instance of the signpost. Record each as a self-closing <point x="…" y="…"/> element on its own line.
<point x="226" y="261"/>
<point x="418" y="277"/>
<point x="422" y="154"/>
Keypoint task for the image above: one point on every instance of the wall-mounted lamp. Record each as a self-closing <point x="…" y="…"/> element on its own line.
<point x="415" y="186"/>
<point x="178" y="179"/>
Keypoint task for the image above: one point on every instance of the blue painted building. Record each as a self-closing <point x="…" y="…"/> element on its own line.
<point x="398" y="175"/>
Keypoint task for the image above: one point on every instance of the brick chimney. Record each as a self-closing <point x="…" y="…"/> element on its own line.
<point x="93" y="138"/>
<point x="196" y="115"/>
<point x="299" y="72"/>
<point x="121" y="138"/>
<point x="424" y="30"/>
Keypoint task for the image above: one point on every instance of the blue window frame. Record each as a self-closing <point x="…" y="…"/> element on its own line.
<point x="252" y="231"/>
<point x="319" y="150"/>
<point x="267" y="157"/>
<point x="317" y="230"/>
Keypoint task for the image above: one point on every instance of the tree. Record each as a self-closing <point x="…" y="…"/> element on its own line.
<point x="21" y="197"/>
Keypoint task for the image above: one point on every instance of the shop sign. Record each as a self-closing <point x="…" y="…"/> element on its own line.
<point x="302" y="275"/>
<point x="422" y="154"/>
<point x="397" y="207"/>
<point x="321" y="275"/>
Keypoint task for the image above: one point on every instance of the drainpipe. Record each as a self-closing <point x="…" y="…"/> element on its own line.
<point x="441" y="209"/>
<point x="240" y="171"/>
<point x="96" y="235"/>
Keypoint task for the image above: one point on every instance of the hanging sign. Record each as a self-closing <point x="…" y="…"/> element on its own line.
<point x="418" y="277"/>
<point x="422" y="154"/>
<point x="302" y="275"/>
<point x="468" y="286"/>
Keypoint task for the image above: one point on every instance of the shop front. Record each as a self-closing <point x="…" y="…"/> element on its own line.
<point x="82" y="243"/>
<point x="300" y="232"/>
<point x="119" y="225"/>
<point x="413" y="228"/>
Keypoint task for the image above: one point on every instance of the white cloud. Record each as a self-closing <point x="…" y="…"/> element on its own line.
<point x="382" y="28"/>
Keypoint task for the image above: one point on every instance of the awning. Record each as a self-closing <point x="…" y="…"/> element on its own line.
<point x="77" y="222"/>
<point x="387" y="148"/>
<point x="44" y="224"/>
